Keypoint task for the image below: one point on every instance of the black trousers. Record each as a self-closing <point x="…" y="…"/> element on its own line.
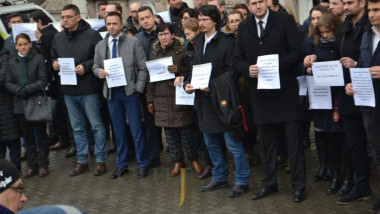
<point x="14" y="147"/>
<point x="338" y="151"/>
<point x="268" y="141"/>
<point x="28" y="130"/>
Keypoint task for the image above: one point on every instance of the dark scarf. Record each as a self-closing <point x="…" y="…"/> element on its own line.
<point x="4" y="210"/>
<point x="23" y="80"/>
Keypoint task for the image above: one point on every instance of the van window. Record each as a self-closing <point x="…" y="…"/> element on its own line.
<point x="24" y="15"/>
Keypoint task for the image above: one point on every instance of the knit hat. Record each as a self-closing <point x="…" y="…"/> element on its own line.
<point x="8" y="174"/>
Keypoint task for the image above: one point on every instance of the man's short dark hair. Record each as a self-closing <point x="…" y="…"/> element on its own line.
<point x="144" y="8"/>
<point x="275" y="2"/>
<point x="212" y="12"/>
<point x="115" y="13"/>
<point x="118" y="7"/>
<point x="101" y="3"/>
<point x="190" y="11"/>
<point x="39" y="15"/>
<point x="317" y="2"/>
<point x="166" y="25"/>
<point x="72" y="7"/>
<point x="12" y="15"/>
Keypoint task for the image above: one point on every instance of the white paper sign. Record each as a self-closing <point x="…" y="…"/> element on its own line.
<point x="158" y="69"/>
<point x="328" y="73"/>
<point x="96" y="23"/>
<point x="27" y="28"/>
<point x="67" y="71"/>
<point x="183" y="98"/>
<point x="363" y="86"/>
<point x="201" y="75"/>
<point x="319" y="96"/>
<point x="269" y="75"/>
<point x="165" y="16"/>
<point x="115" y="68"/>
<point x="302" y="85"/>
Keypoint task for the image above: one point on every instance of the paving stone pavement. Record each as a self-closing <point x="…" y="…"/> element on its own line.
<point x="160" y="193"/>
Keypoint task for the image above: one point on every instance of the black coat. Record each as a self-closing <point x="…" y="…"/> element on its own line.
<point x="147" y="40"/>
<point x="220" y="53"/>
<point x="280" y="37"/>
<point x="9" y="129"/>
<point x="80" y="45"/>
<point x="347" y="44"/>
<point x="36" y="77"/>
<point x="44" y="48"/>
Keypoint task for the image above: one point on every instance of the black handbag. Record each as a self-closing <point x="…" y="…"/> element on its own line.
<point x="40" y="108"/>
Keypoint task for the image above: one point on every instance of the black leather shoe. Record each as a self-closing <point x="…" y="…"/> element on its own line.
<point x="299" y="196"/>
<point x="346" y="187"/>
<point x="355" y="196"/>
<point x="214" y="185"/>
<point x="264" y="192"/>
<point x="142" y="173"/>
<point x="334" y="186"/>
<point x="238" y="190"/>
<point x="119" y="172"/>
<point x="71" y="153"/>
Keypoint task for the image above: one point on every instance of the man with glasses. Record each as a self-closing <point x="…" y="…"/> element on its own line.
<point x="78" y="41"/>
<point x="11" y="190"/>
<point x="132" y="20"/>
<point x="215" y="47"/>
<point x="14" y="18"/>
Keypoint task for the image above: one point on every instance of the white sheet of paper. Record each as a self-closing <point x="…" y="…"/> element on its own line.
<point x="319" y="96"/>
<point x="269" y="75"/>
<point x="165" y="16"/>
<point x="183" y="98"/>
<point x="328" y="73"/>
<point x="201" y="75"/>
<point x="27" y="28"/>
<point x="115" y="68"/>
<point x="96" y="23"/>
<point x="302" y="85"/>
<point x="363" y="86"/>
<point x="67" y="71"/>
<point x="158" y="69"/>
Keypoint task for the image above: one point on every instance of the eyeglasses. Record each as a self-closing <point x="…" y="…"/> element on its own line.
<point x="203" y="20"/>
<point x="66" y="17"/>
<point x="164" y="34"/>
<point x="19" y="190"/>
<point x="235" y="21"/>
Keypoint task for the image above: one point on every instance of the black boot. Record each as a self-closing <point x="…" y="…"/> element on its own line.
<point x="336" y="181"/>
<point x="321" y="144"/>
<point x="328" y="174"/>
<point x="347" y="184"/>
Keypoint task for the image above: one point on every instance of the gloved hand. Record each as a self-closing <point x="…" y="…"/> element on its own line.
<point x="22" y="93"/>
<point x="151" y="108"/>
<point x="173" y="69"/>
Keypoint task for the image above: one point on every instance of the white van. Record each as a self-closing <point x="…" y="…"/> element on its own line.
<point x="17" y="6"/>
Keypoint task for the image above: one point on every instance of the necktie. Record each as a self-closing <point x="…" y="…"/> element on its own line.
<point x="261" y="28"/>
<point x="23" y="80"/>
<point x="114" y="48"/>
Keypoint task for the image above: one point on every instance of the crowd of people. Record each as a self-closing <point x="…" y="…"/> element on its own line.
<point x="233" y="113"/>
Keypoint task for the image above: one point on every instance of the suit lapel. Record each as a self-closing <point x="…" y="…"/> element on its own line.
<point x="252" y="25"/>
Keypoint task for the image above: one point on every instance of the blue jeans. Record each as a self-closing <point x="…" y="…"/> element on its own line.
<point x="80" y="108"/>
<point x="119" y="105"/>
<point x="215" y="149"/>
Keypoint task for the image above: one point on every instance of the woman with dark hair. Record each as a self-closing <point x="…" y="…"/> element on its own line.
<point x="27" y="77"/>
<point x="328" y="122"/>
<point x="177" y="120"/>
<point x="243" y="9"/>
<point x="9" y="129"/>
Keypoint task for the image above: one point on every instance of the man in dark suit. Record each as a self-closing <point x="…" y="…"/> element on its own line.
<point x="275" y="110"/>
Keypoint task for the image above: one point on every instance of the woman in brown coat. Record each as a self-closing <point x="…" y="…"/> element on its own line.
<point x="177" y="120"/>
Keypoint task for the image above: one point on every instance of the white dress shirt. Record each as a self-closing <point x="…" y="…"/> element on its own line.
<point x="264" y="20"/>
